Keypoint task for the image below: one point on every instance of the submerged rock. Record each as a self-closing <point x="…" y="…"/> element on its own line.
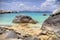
<point x="24" y="19"/>
<point x="44" y="14"/>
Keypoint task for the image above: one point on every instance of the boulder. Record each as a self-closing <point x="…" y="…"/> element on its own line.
<point x="52" y="23"/>
<point x="24" y="19"/>
<point x="56" y="11"/>
<point x="11" y="34"/>
<point x="2" y="30"/>
<point x="29" y="37"/>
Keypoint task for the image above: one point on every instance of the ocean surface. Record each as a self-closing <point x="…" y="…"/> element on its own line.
<point x="7" y="18"/>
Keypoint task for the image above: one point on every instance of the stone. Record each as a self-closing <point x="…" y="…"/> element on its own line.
<point x="11" y="34"/>
<point x="44" y="14"/>
<point x="30" y="38"/>
<point x="13" y="39"/>
<point x="24" y="19"/>
<point x="52" y="23"/>
<point x="36" y="38"/>
<point x="2" y="30"/>
<point x="56" y="11"/>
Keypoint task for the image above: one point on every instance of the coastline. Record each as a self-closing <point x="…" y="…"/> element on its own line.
<point x="7" y="11"/>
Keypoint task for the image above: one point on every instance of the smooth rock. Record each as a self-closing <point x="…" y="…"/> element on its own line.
<point x="2" y="30"/>
<point x="53" y="23"/>
<point x="10" y="34"/>
<point x="24" y="19"/>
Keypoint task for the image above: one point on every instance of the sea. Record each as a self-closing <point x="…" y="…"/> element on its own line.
<point x="7" y="18"/>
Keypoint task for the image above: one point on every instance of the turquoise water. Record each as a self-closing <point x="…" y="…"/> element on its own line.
<point x="8" y="17"/>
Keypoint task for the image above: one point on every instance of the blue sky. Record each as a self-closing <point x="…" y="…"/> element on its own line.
<point x="29" y="5"/>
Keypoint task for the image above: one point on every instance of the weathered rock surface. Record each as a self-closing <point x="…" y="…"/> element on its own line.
<point x="1" y="30"/>
<point x="53" y="23"/>
<point x="26" y="34"/>
<point x="56" y="11"/>
<point x="24" y="19"/>
<point x="11" y="34"/>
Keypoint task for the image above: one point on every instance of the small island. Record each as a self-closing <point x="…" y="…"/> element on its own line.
<point x="7" y="11"/>
<point x="10" y="11"/>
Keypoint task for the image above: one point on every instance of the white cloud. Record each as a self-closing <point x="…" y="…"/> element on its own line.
<point x="50" y="0"/>
<point x="48" y="5"/>
<point x="18" y="6"/>
<point x="21" y="4"/>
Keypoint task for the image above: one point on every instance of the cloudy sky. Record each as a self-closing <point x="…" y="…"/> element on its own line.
<point x="29" y="5"/>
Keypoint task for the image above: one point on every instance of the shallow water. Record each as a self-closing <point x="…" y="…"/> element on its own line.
<point x="8" y="17"/>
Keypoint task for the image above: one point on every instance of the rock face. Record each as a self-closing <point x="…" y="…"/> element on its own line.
<point x="1" y="30"/>
<point x="24" y="19"/>
<point x="11" y="34"/>
<point x="56" y="11"/>
<point x="52" y="23"/>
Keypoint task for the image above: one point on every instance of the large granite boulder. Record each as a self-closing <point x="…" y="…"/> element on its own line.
<point x="53" y="22"/>
<point x="8" y="34"/>
<point x="24" y="19"/>
<point x="56" y="11"/>
<point x="11" y="34"/>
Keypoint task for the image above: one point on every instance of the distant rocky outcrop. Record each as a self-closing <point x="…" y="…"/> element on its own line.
<point x="24" y="19"/>
<point x="53" y="23"/>
<point x="44" y="14"/>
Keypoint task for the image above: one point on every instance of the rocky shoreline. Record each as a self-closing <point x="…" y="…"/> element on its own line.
<point x="26" y="28"/>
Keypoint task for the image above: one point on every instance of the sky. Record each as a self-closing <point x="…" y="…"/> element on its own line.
<point x="29" y="5"/>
